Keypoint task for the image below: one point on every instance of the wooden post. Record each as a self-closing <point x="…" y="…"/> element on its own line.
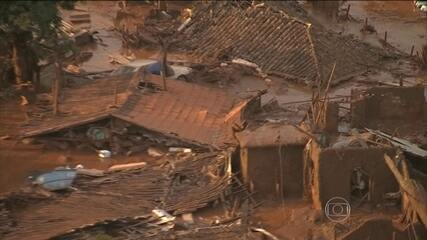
<point x="412" y="50"/>
<point x="348" y="11"/>
<point x="162" y="5"/>
<point x="56" y="84"/>
<point x="163" y="62"/>
<point x="115" y="95"/>
<point x="37" y="80"/>
<point x="385" y="37"/>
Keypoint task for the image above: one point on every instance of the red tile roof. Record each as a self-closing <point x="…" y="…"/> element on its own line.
<point x="191" y="112"/>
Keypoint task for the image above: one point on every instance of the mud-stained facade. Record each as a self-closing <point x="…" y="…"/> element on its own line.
<point x="271" y="161"/>
<point x="333" y="168"/>
<point x="386" y="108"/>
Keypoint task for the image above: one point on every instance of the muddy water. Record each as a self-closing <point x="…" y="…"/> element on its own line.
<point x="18" y="161"/>
<point x="109" y="42"/>
<point x="405" y="25"/>
<point x="110" y="46"/>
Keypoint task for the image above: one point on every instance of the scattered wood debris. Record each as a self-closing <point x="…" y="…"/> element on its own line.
<point x="414" y="195"/>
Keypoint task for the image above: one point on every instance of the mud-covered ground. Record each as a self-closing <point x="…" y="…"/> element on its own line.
<point x="405" y="27"/>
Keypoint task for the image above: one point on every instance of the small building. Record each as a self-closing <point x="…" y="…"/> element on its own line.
<point x="355" y="173"/>
<point x="271" y="160"/>
<point x="385" y="108"/>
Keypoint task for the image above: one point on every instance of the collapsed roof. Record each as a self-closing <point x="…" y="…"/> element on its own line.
<point x="191" y="112"/>
<point x="279" y="43"/>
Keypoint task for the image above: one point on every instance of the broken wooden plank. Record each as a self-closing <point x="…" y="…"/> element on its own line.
<point x="405" y="145"/>
<point x="129" y="166"/>
<point x="415" y="192"/>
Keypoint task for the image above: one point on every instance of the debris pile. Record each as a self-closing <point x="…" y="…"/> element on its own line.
<point x="173" y="113"/>
<point x="177" y="183"/>
<point x="155" y="227"/>
<point x="284" y="45"/>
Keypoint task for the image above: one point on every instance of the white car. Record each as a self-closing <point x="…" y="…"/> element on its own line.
<point x="175" y="71"/>
<point x="422" y="5"/>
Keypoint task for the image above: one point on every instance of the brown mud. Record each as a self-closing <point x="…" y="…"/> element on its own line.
<point x="405" y="27"/>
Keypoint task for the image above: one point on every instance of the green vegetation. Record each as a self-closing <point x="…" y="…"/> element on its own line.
<point x="30" y="31"/>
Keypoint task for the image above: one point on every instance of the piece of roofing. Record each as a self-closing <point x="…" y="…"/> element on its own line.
<point x="191" y="112"/>
<point x="272" y="135"/>
<point x="278" y="43"/>
<point x="188" y="111"/>
<point x="83" y="104"/>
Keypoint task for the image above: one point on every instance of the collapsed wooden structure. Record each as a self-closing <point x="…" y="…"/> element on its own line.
<point x="175" y="183"/>
<point x="276" y="41"/>
<point x="192" y="113"/>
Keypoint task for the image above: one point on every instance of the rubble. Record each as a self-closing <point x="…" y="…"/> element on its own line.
<point x="414" y="195"/>
<point x="401" y="143"/>
<point x="209" y="127"/>
<point x="176" y="184"/>
<point x="216" y="36"/>
<point x="208" y="157"/>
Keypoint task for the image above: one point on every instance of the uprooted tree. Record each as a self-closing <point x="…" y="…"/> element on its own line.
<point x="30" y="30"/>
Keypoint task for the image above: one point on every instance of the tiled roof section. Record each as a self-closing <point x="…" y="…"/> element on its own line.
<point x="83" y="104"/>
<point x="351" y="55"/>
<point x="271" y="135"/>
<point x="279" y="43"/>
<point x="191" y="112"/>
<point x="276" y="42"/>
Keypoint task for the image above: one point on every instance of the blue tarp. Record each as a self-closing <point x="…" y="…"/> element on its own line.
<point x="155" y="68"/>
<point x="57" y="180"/>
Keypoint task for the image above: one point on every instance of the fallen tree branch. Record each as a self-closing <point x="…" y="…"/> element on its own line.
<point x="415" y="192"/>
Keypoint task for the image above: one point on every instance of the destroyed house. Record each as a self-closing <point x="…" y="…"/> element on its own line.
<point x="278" y="43"/>
<point x="349" y="170"/>
<point x="390" y="109"/>
<point x="191" y="113"/>
<point x="271" y="161"/>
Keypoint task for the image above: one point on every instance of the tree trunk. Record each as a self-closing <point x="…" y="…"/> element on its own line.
<point x="18" y="63"/>
<point x="56" y="85"/>
<point x="22" y="59"/>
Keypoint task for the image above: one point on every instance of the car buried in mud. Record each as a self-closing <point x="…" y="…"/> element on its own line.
<point x="421" y="5"/>
<point x="153" y="67"/>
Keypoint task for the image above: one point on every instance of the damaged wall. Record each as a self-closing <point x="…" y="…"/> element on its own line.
<point x="333" y="167"/>
<point x="385" y="108"/>
<point x="261" y="171"/>
<point x="369" y="230"/>
<point x="263" y="151"/>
